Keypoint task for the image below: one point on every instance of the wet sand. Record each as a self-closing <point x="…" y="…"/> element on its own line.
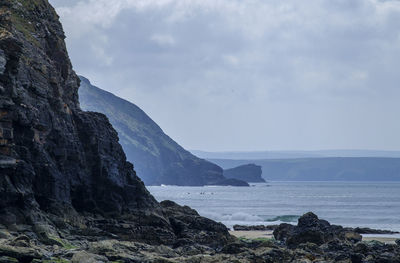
<point x="382" y="238"/>
<point x="268" y="234"/>
<point x="252" y="234"/>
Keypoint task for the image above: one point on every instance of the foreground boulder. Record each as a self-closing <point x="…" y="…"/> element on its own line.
<point x="191" y="228"/>
<point x="24" y="248"/>
<point x="311" y="229"/>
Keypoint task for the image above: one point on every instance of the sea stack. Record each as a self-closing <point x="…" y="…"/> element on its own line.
<point x="250" y="173"/>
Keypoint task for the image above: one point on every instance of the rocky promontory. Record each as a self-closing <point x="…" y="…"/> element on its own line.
<point x="158" y="159"/>
<point x="250" y="173"/>
<point x="67" y="193"/>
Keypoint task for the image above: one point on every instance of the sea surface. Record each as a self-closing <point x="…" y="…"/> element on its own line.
<point x="363" y="204"/>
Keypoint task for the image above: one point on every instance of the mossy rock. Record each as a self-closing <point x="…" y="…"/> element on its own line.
<point x="52" y="260"/>
<point x="8" y="260"/>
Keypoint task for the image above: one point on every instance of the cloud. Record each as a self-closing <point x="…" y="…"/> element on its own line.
<point x="294" y="67"/>
<point x="163" y="40"/>
<point x="231" y="60"/>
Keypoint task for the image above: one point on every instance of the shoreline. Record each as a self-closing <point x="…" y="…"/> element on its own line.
<point x="254" y="234"/>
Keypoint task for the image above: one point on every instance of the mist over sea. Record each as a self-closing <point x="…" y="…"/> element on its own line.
<point x="362" y="204"/>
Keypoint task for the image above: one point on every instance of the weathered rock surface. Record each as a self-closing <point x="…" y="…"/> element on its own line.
<point x="311" y="229"/>
<point x="191" y="228"/>
<point x="23" y="249"/>
<point x="63" y="173"/>
<point x="158" y="159"/>
<point x="250" y="173"/>
<point x="53" y="155"/>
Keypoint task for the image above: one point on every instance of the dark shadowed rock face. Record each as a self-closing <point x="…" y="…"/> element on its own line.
<point x="52" y="153"/>
<point x="191" y="228"/>
<point x="158" y="159"/>
<point x="62" y="170"/>
<point x="313" y="230"/>
<point x="250" y="173"/>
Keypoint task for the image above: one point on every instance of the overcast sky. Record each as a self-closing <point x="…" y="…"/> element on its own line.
<point x="222" y="75"/>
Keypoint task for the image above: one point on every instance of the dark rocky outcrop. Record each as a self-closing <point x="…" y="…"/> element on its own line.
<point x="191" y="228"/>
<point x="23" y="249"/>
<point x="63" y="173"/>
<point x="250" y="173"/>
<point x="311" y="229"/>
<point x="158" y="159"/>
<point x="53" y="155"/>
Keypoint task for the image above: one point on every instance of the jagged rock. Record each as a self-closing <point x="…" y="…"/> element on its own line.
<point x="6" y="259"/>
<point x="47" y="234"/>
<point x="233" y="248"/>
<point x="5" y="234"/>
<point x="190" y="227"/>
<point x="65" y="157"/>
<point x="2" y="62"/>
<point x="21" y="241"/>
<point x="314" y="230"/>
<point x="63" y="172"/>
<point x="283" y="231"/>
<point x="23" y="254"/>
<point x="85" y="257"/>
<point x="250" y="173"/>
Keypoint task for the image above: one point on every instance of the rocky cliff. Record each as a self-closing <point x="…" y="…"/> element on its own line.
<point x="158" y="159"/>
<point x="63" y="172"/>
<point x="250" y="173"/>
<point x="67" y="193"/>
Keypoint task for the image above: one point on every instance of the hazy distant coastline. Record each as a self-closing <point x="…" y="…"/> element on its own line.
<point x="323" y="169"/>
<point x="252" y="155"/>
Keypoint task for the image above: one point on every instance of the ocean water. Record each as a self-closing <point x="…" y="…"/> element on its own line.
<point x="363" y="204"/>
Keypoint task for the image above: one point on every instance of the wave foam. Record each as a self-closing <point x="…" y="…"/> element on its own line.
<point x="284" y="218"/>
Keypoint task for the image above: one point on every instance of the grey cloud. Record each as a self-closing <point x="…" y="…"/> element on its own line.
<point x="247" y="75"/>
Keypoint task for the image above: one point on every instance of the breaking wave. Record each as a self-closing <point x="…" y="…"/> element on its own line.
<point x="284" y="218"/>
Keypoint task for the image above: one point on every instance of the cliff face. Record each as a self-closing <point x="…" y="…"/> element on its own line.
<point x="62" y="170"/>
<point x="250" y="173"/>
<point x="158" y="159"/>
<point x="52" y="153"/>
